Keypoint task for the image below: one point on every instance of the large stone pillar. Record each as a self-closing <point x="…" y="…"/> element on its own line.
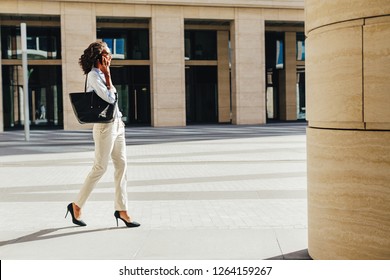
<point x="248" y="69"/>
<point x="167" y="72"/>
<point x="78" y="30"/>
<point x="223" y="77"/>
<point x="348" y="138"/>
<point x="1" y="93"/>
<point x="288" y="80"/>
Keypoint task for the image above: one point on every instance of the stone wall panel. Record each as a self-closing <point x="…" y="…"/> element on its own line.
<point x="334" y="75"/>
<point x="349" y="194"/>
<point x="376" y="72"/>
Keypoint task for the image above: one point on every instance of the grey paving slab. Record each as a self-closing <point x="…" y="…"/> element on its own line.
<point x="202" y="192"/>
<point x="216" y="244"/>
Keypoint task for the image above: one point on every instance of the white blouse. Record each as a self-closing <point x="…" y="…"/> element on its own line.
<point x="97" y="82"/>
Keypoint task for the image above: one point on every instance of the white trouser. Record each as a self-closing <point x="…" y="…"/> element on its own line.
<point x="109" y="140"/>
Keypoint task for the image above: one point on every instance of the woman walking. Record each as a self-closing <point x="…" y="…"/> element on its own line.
<point x="109" y="138"/>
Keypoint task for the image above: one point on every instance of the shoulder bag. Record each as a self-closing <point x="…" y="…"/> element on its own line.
<point x="90" y="107"/>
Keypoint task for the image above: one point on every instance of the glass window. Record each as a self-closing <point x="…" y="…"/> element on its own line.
<point x="126" y="43"/>
<point x="300" y="46"/>
<point x="200" y="45"/>
<point x="301" y="93"/>
<point x="279" y="54"/>
<point x="45" y="96"/>
<point x="274" y="49"/>
<point x="42" y="43"/>
<point x="31" y="43"/>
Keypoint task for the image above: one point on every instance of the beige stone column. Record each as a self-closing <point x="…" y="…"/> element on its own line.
<point x="78" y="30"/>
<point x="1" y="94"/>
<point x="248" y="69"/>
<point x="288" y="80"/>
<point x="167" y="66"/>
<point x="223" y="77"/>
<point x="348" y="139"/>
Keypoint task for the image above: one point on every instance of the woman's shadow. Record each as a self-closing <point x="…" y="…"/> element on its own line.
<point x="43" y="235"/>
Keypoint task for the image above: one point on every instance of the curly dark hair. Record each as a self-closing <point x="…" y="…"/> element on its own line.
<point x="91" y="54"/>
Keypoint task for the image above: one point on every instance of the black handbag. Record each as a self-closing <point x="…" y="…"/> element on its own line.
<point x="90" y="107"/>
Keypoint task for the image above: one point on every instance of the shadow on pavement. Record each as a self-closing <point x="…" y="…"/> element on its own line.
<point x="298" y="255"/>
<point x="61" y="141"/>
<point x="41" y="235"/>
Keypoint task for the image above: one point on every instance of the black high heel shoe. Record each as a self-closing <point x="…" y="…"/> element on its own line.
<point x="74" y="220"/>
<point x="131" y="224"/>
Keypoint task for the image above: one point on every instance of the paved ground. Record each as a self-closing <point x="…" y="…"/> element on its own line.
<point x="200" y="192"/>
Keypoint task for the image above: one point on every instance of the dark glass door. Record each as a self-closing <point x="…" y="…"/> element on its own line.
<point x="45" y="97"/>
<point x="133" y="86"/>
<point x="301" y="94"/>
<point x="201" y="94"/>
<point x="274" y="52"/>
<point x="139" y="104"/>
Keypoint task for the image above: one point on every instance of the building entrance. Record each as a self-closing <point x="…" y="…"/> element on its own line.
<point x="133" y="86"/>
<point x="274" y="42"/>
<point x="45" y="97"/>
<point x="201" y="94"/>
<point x="285" y="68"/>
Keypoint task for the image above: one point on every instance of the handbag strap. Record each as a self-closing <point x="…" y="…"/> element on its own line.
<point x="85" y="85"/>
<point x="85" y="88"/>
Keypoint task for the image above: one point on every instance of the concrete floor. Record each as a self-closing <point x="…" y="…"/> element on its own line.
<point x="200" y="192"/>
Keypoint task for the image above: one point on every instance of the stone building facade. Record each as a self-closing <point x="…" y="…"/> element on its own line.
<point x="175" y="62"/>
